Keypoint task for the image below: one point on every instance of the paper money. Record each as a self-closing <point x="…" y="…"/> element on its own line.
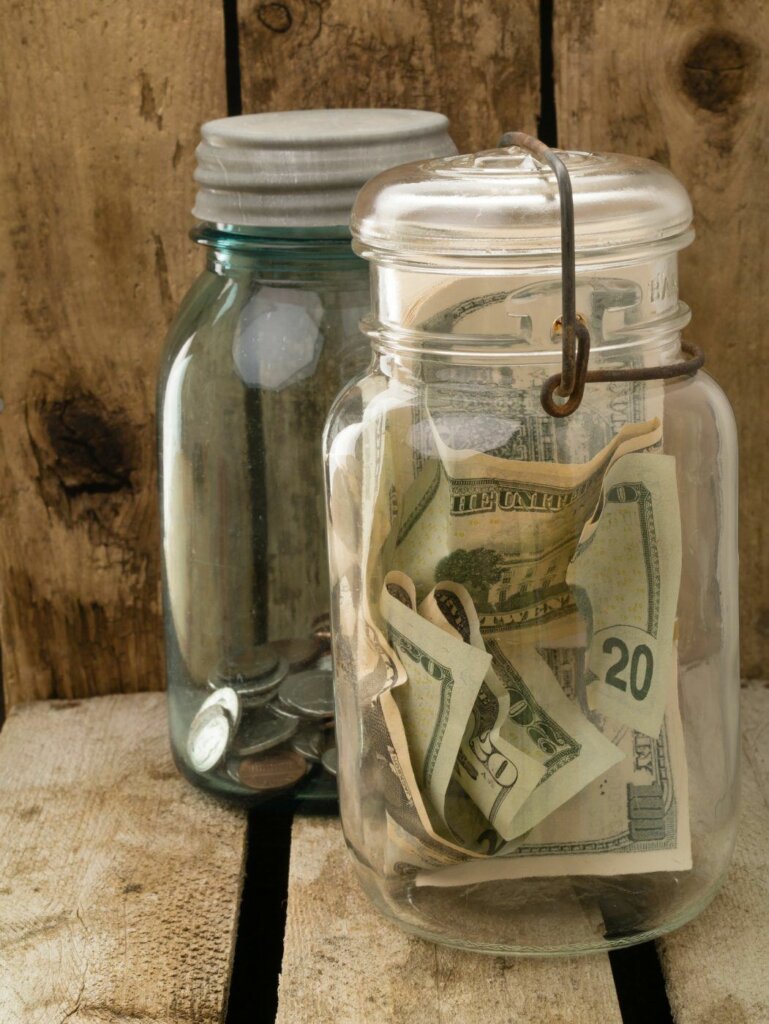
<point x="496" y="775"/>
<point x="549" y="726"/>
<point x="633" y="819"/>
<point x="444" y="676"/>
<point x="507" y="530"/>
<point x="626" y="575"/>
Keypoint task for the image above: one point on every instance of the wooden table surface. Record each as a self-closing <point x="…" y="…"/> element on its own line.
<point x="120" y="887"/>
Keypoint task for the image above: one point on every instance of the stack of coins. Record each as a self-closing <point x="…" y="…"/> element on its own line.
<point x="269" y="718"/>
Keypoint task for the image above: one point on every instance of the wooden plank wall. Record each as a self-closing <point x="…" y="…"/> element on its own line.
<point x="477" y="61"/>
<point x="103" y="104"/>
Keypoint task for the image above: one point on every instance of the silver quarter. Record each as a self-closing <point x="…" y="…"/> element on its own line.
<point x="260" y="731"/>
<point x="310" y="743"/>
<point x="309" y="694"/>
<point x="330" y="760"/>
<point x="209" y="737"/>
<point x="228" y="699"/>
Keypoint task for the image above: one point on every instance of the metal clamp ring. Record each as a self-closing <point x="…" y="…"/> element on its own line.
<point x="569" y="384"/>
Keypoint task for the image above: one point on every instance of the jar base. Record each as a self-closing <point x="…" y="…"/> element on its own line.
<point x="569" y="910"/>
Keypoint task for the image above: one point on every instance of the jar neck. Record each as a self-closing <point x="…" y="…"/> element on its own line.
<point x="510" y="312"/>
<point x="476" y="367"/>
<point x="307" y="252"/>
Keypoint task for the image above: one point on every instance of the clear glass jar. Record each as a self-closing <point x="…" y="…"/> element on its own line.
<point x="261" y="345"/>
<point x="534" y="619"/>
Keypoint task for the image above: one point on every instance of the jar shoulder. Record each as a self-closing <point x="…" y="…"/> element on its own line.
<point x="700" y="407"/>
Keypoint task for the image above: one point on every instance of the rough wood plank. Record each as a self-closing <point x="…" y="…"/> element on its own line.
<point x="119" y="883"/>
<point x="476" y="61"/>
<point x="343" y="963"/>
<point x="102" y="106"/>
<point x="716" y="967"/>
<point x="685" y="83"/>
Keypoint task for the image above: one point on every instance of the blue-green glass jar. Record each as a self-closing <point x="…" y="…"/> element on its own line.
<point x="265" y="338"/>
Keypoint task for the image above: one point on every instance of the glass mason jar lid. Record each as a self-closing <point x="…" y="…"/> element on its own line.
<point x="503" y="203"/>
<point x="303" y="168"/>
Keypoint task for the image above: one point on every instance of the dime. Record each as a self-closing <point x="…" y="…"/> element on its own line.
<point x="309" y="694"/>
<point x="330" y="760"/>
<point x="309" y="742"/>
<point x="228" y="699"/>
<point x="273" y="771"/>
<point x="209" y="737"/>
<point x="299" y="652"/>
<point x="260" y="731"/>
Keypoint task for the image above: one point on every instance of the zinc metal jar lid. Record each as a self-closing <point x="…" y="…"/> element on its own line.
<point x="303" y="168"/>
<point x="503" y="203"/>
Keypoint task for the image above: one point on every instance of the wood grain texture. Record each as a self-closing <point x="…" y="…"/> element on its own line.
<point x="685" y="83"/>
<point x="476" y="60"/>
<point x="119" y="882"/>
<point x="343" y="963"/>
<point x="102" y="105"/>
<point x="716" y="967"/>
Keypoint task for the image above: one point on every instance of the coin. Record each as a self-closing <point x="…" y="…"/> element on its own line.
<point x="321" y="627"/>
<point x="276" y="708"/>
<point x="276" y="770"/>
<point x="326" y="662"/>
<point x="228" y="699"/>
<point x="309" y="742"/>
<point x="309" y="694"/>
<point x="262" y="694"/>
<point x="260" y="731"/>
<point x="251" y="688"/>
<point x="299" y="652"/>
<point x="330" y="760"/>
<point x="209" y="737"/>
<point x="250" y="664"/>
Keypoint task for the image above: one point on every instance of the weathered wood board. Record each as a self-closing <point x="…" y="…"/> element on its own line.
<point x="343" y="963"/>
<point x="717" y="967"/>
<point x="686" y="84"/>
<point x="477" y="62"/>
<point x="102" y="105"/>
<point x="119" y="883"/>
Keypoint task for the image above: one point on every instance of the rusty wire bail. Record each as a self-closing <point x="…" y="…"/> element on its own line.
<point x="569" y="384"/>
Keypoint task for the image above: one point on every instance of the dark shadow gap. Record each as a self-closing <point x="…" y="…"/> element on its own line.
<point x="547" y="123"/>
<point x="259" y="948"/>
<point x="640" y="985"/>
<point x="232" y="58"/>
<point x="2" y="691"/>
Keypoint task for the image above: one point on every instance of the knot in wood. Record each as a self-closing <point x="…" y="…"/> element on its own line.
<point x="85" y="447"/>
<point x="717" y="71"/>
<point x="276" y="17"/>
